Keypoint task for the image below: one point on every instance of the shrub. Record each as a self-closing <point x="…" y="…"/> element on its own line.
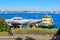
<point x="3" y="25"/>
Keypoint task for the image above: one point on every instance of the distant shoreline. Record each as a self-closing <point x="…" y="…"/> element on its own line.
<point x="28" y="11"/>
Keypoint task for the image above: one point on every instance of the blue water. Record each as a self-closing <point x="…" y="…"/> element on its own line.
<point x="56" y="17"/>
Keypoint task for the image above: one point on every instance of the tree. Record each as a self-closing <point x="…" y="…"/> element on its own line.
<point x="3" y="25"/>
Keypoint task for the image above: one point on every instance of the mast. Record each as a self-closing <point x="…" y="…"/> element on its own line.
<point x="47" y="13"/>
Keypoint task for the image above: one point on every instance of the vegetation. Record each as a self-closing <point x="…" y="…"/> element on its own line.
<point x="3" y="33"/>
<point x="3" y="25"/>
<point x="39" y="31"/>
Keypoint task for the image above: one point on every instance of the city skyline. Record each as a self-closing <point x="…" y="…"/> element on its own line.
<point x="43" y="5"/>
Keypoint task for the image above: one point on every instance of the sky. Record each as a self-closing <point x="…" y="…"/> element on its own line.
<point x="43" y="5"/>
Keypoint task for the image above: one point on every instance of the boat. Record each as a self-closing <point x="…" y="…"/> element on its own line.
<point x="20" y="22"/>
<point x="47" y="22"/>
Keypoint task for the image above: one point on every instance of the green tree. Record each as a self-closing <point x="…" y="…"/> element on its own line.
<point x="3" y="25"/>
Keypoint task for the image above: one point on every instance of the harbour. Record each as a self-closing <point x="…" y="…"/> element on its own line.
<point x="54" y="16"/>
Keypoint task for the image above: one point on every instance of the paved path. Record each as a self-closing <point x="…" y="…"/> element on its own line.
<point x="24" y="37"/>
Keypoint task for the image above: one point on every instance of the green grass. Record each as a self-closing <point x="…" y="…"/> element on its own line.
<point x="39" y="31"/>
<point x="3" y="33"/>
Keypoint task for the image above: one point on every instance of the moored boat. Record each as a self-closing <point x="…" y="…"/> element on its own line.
<point x="47" y="22"/>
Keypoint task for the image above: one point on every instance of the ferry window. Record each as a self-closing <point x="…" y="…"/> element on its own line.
<point x="17" y="19"/>
<point x="46" y="17"/>
<point x="45" y="20"/>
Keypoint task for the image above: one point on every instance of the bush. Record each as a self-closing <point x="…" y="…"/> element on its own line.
<point x="3" y="25"/>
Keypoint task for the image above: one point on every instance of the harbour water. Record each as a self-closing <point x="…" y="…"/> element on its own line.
<point x="55" y="17"/>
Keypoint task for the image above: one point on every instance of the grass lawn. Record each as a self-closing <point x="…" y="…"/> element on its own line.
<point x="3" y="33"/>
<point x="35" y="31"/>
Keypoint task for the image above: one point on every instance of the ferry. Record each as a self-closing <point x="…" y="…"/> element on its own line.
<point x="18" y="22"/>
<point x="47" y="22"/>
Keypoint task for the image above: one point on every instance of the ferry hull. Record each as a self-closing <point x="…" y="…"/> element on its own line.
<point x="47" y="25"/>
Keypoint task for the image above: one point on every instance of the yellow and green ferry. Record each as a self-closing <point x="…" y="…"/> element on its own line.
<point x="47" y="22"/>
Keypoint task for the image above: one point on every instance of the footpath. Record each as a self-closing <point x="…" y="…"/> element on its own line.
<point x="36" y="37"/>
